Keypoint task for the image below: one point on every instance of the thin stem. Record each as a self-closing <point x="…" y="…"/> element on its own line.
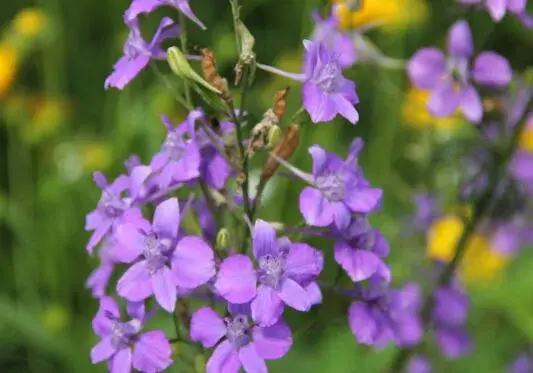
<point x="184" y="49"/>
<point x="175" y="319"/>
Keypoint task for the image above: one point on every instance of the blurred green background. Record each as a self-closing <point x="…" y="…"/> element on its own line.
<point x="58" y="125"/>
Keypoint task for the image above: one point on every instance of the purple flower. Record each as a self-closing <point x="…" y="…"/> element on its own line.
<point x="147" y="6"/>
<point x="339" y="43"/>
<point x="360" y="251"/>
<point x="138" y="52"/>
<point x="112" y="210"/>
<point x="522" y="364"/>
<point x="286" y="275"/>
<point x="521" y="167"/>
<point x="450" y="79"/>
<point x="124" y="345"/>
<point x="160" y="264"/>
<point x="419" y="364"/>
<point x="339" y="189"/>
<point x="244" y="344"/>
<point x="498" y="8"/>
<point x="179" y="157"/>
<point x="381" y="315"/>
<point x="99" y="278"/>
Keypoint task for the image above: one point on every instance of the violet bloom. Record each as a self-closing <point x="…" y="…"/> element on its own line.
<point x="339" y="43"/>
<point x="138" y="52"/>
<point x="360" y="251"/>
<point x="179" y="157"/>
<point x="147" y="6"/>
<point x="522" y="364"/>
<point x="243" y="343"/>
<point x="339" y="189"/>
<point x="111" y="211"/>
<point x="419" y="364"/>
<point x="498" y="8"/>
<point x="124" y="345"/>
<point x="521" y="167"/>
<point x="450" y="78"/>
<point x="99" y="278"/>
<point x="286" y="275"/>
<point x="382" y="315"/>
<point x="450" y="314"/>
<point x="161" y="265"/>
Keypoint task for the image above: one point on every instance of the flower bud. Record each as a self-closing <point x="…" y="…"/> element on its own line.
<point x="274" y="137"/>
<point x="223" y="239"/>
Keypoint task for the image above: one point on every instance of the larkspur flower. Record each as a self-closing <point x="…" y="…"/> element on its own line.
<point x="111" y="211"/>
<point x="99" y="278"/>
<point x="498" y="8"/>
<point x="286" y="276"/>
<point x="124" y="345"/>
<point x="138" y="52"/>
<point x="360" y="250"/>
<point x="244" y="343"/>
<point x="339" y="43"/>
<point x="419" y="364"/>
<point x="382" y="315"/>
<point x="339" y="189"/>
<point x="450" y="79"/>
<point x="138" y="7"/>
<point x="161" y="264"/>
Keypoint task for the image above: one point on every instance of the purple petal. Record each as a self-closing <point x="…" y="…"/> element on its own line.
<point x="193" y="262"/>
<point x="363" y="200"/>
<point x="121" y="362"/>
<point x="419" y="364"/>
<point x="135" y="284"/>
<point x="164" y="288"/>
<point x="471" y="104"/>
<point x="223" y="359"/>
<point x="165" y="30"/>
<point x="362" y="324"/>
<point x="267" y="306"/>
<point x="346" y="108"/>
<point x="184" y="7"/>
<point x="453" y="342"/>
<point x="101" y="323"/>
<point x="102" y="351"/>
<point x="207" y="327"/>
<point x="451" y="306"/>
<point x="460" y="44"/>
<point x="516" y="6"/>
<point x="492" y="69"/>
<point x="167" y="218"/>
<point x="426" y="68"/>
<point x="341" y="215"/>
<point x="272" y="342"/>
<point x="99" y="233"/>
<point x="130" y="243"/>
<point x="214" y="168"/>
<point x="359" y="264"/>
<point x="264" y="239"/>
<point x="93" y="220"/>
<point x="294" y="295"/>
<point x="236" y="280"/>
<point x="99" y="279"/>
<point x="496" y="8"/>
<point x="381" y="245"/>
<point x="125" y="70"/>
<point x="444" y="100"/>
<point x="314" y="293"/>
<point x="319" y="104"/>
<point x="319" y="157"/>
<point x="136" y="310"/>
<point x="152" y="352"/>
<point x="251" y="361"/>
<point x="141" y="6"/>
<point x="315" y="208"/>
<point x="303" y="263"/>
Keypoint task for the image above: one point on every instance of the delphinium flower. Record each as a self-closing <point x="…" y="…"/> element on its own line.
<point x="498" y="8"/>
<point x="111" y="211"/>
<point x="339" y="189"/>
<point x="244" y="343"/>
<point x="339" y="43"/>
<point x="138" y="7"/>
<point x="326" y="92"/>
<point x="99" y="278"/>
<point x="522" y="364"/>
<point x="286" y="276"/>
<point x="449" y="317"/>
<point x="450" y="78"/>
<point x="162" y="261"/>
<point x="124" y="345"/>
<point x="138" y="52"/>
<point x="381" y="315"/>
<point x="419" y="364"/>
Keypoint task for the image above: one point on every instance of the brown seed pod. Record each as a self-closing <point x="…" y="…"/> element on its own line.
<point x="280" y="103"/>
<point x="211" y="75"/>
<point x="284" y="150"/>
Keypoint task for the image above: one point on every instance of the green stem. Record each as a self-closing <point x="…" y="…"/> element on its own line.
<point x="185" y="50"/>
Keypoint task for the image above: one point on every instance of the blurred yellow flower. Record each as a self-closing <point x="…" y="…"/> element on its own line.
<point x="526" y="140"/>
<point x="480" y="262"/>
<point x="29" y="22"/>
<point x="8" y="66"/>
<point x="96" y="156"/>
<point x="416" y="113"/>
<point x="390" y="14"/>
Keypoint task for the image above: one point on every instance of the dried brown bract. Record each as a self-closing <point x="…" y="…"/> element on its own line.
<point x="280" y="103"/>
<point x="211" y="75"/>
<point x="284" y="150"/>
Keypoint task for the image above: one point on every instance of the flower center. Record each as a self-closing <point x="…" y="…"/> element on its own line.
<point x="271" y="269"/>
<point x="122" y="333"/>
<point x="111" y="205"/>
<point x="329" y="78"/>
<point x="458" y="69"/>
<point x="238" y="330"/>
<point x="174" y="146"/>
<point x="154" y="252"/>
<point x="332" y="186"/>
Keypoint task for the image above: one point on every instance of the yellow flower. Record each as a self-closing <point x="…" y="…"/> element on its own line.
<point x="96" y="156"/>
<point x="8" y="67"/>
<point x="416" y="113"/>
<point x="390" y="14"/>
<point x="480" y="262"/>
<point x="526" y="140"/>
<point x="29" y="22"/>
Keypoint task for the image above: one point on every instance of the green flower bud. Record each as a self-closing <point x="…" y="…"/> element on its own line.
<point x="274" y="136"/>
<point x="223" y="239"/>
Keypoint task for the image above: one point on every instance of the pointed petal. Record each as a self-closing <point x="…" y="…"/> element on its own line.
<point x="251" y="361"/>
<point x="237" y="279"/>
<point x="341" y="215"/>
<point x="167" y="218"/>
<point x="314" y="293"/>
<point x="207" y="327"/>
<point x="426" y="68"/>
<point x="315" y="208"/>
<point x="346" y="109"/>
<point x="165" y="291"/>
<point x="121" y="362"/>
<point x="362" y="324"/>
<point x="319" y="104"/>
<point x="193" y="262"/>
<point x="267" y="306"/>
<point x="135" y="284"/>
<point x="141" y="6"/>
<point x="497" y="9"/>
<point x="294" y="295"/>
<point x="152" y="352"/>
<point x="492" y="69"/>
<point x="130" y="243"/>
<point x="460" y="42"/>
<point x="184" y="7"/>
<point x="264" y="239"/>
<point x="102" y="351"/>
<point x="222" y="354"/>
<point x="125" y="70"/>
<point x="363" y="200"/>
<point x="102" y="323"/>
<point x="98" y="235"/>
<point x="303" y="263"/>
<point x="272" y="342"/>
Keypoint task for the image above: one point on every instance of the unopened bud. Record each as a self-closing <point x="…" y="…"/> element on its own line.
<point x="247" y="54"/>
<point x="180" y="66"/>
<point x="274" y="136"/>
<point x="223" y="239"/>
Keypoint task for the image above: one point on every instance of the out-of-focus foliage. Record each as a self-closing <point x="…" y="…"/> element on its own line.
<point x="57" y="125"/>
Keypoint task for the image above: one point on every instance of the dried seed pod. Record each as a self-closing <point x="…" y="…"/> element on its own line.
<point x="280" y="103"/>
<point x="284" y="150"/>
<point x="259" y="135"/>
<point x="247" y="55"/>
<point x="211" y="75"/>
